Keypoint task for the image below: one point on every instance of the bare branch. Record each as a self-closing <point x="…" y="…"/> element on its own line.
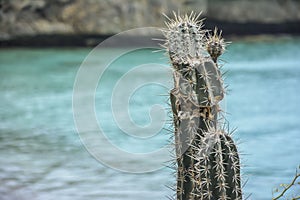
<point x="287" y="187"/>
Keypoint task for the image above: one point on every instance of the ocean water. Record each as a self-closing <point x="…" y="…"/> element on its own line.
<point x="42" y="156"/>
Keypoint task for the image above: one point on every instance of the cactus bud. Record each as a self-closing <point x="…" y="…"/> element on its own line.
<point x="215" y="45"/>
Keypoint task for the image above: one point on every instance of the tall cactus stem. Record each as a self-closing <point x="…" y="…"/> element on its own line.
<point x="208" y="165"/>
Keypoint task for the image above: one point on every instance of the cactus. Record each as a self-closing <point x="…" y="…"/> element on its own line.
<point x="207" y="159"/>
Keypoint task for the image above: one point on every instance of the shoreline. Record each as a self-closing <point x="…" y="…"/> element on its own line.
<point x="50" y="41"/>
<point x="231" y="31"/>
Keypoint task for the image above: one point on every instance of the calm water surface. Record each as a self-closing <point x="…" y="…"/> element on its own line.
<point x="42" y="157"/>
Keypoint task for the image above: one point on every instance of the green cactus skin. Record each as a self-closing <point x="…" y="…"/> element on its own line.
<point x="208" y="165"/>
<point x="221" y="179"/>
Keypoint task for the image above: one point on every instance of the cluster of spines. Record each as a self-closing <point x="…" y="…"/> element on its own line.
<point x="207" y="159"/>
<point x="185" y="37"/>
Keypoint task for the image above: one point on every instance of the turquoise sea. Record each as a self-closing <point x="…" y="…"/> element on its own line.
<point x="42" y="156"/>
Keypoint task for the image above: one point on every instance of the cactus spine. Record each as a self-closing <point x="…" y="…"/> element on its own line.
<point x="208" y="166"/>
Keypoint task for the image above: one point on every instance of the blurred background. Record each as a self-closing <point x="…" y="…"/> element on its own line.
<point x="78" y="22"/>
<point x="42" y="46"/>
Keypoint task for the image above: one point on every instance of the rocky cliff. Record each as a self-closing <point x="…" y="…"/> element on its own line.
<point x="259" y="11"/>
<point x="105" y="17"/>
<point x="28" y="17"/>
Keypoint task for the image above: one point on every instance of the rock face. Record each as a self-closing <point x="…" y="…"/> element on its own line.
<point x="35" y="17"/>
<point x="29" y="17"/>
<point x="261" y="11"/>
